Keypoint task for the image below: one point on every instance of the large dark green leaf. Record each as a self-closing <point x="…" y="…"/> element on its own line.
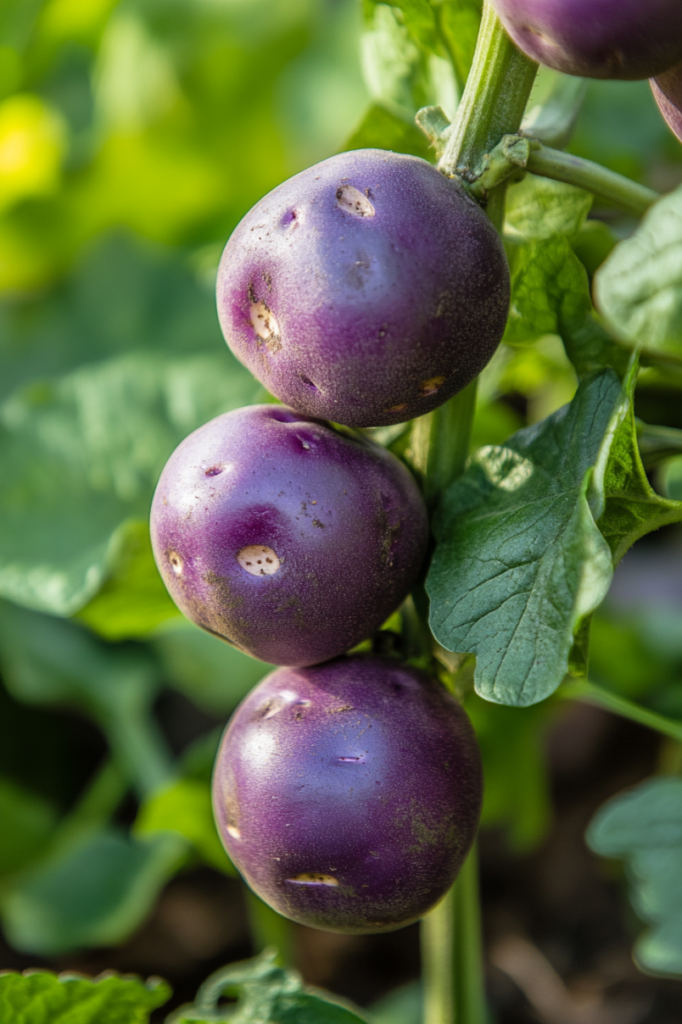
<point x="94" y="892"/>
<point x="639" y="287"/>
<point x="80" y="455"/>
<point x="47" y="660"/>
<point x="38" y="997"/>
<point x="520" y="561"/>
<point x="643" y="826"/>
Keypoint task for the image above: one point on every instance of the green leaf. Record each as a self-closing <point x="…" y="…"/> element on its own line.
<point x="671" y="478"/>
<point x="26" y="824"/>
<point x="380" y="128"/>
<point x="459" y="24"/>
<point x="38" y="997"/>
<point x="212" y="673"/>
<point x="643" y="826"/>
<point x="401" y="70"/>
<point x="639" y="287"/>
<point x="632" y="507"/>
<point x="81" y="455"/>
<point x="52" y="661"/>
<point x="267" y="995"/>
<point x="94" y="892"/>
<point x="184" y="807"/>
<point x="520" y="561"/>
<point x="540" y="208"/>
<point x="405" y="1005"/>
<point x="550" y="287"/>
<point x="133" y="601"/>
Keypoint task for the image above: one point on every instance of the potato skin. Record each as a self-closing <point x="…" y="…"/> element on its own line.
<point x="348" y="794"/>
<point x="381" y="287"/>
<point x="626" y="39"/>
<point x="667" y="90"/>
<point x="342" y="519"/>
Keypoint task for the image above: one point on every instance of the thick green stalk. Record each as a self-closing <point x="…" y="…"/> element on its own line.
<point x="494" y="97"/>
<point x="451" y="946"/>
<point x="592" y="694"/>
<point x="605" y="184"/>
<point x="440" y="442"/>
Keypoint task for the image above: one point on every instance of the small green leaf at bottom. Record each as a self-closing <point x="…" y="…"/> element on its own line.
<point x="643" y="826"/>
<point x="267" y="994"/>
<point x="38" y="997"/>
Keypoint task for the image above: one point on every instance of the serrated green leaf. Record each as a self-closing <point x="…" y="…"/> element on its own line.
<point x="644" y="827"/>
<point x="133" y="601"/>
<point x="632" y="507"/>
<point x="382" y="129"/>
<point x="420" y="22"/>
<point x="212" y="673"/>
<point x="26" y="823"/>
<point x="81" y="454"/>
<point x="401" y="75"/>
<point x="38" y="997"/>
<point x="550" y="287"/>
<point x="520" y="561"/>
<point x="184" y="807"/>
<point x="95" y="892"/>
<point x="540" y="208"/>
<point x="267" y="995"/>
<point x="639" y="287"/>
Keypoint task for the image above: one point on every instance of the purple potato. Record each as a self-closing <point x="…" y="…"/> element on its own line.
<point x="348" y="794"/>
<point x="627" y="39"/>
<point x="667" y="90"/>
<point x="287" y="538"/>
<point x="366" y="290"/>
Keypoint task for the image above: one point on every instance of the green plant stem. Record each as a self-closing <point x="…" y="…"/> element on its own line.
<point x="97" y="803"/>
<point x="140" y="748"/>
<point x="492" y="106"/>
<point x="592" y="694"/>
<point x="440" y="442"/>
<point x="494" y="98"/>
<point x="451" y="945"/>
<point x="613" y="188"/>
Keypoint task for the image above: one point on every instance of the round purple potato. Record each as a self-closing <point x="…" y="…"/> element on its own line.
<point x="287" y="538"/>
<point x="626" y="39"/>
<point x="348" y="794"/>
<point x="667" y="90"/>
<point x="366" y="290"/>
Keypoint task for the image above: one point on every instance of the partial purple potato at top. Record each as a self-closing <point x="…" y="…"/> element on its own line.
<point x="627" y="39"/>
<point x="348" y="794"/>
<point x="366" y="290"/>
<point x="667" y="90"/>
<point x="285" y="537"/>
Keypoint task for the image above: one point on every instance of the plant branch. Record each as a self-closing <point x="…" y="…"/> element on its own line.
<point x="593" y="694"/>
<point x="607" y="185"/>
<point x="494" y="97"/>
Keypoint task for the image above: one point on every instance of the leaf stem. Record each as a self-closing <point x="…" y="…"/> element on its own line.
<point x="593" y="694"/>
<point x="440" y="441"/>
<point x="603" y="183"/>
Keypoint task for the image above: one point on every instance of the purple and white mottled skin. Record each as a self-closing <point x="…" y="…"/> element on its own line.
<point x="365" y="290"/>
<point x="348" y="794"/>
<point x="667" y="90"/>
<point x="287" y="538"/>
<point x="627" y="39"/>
